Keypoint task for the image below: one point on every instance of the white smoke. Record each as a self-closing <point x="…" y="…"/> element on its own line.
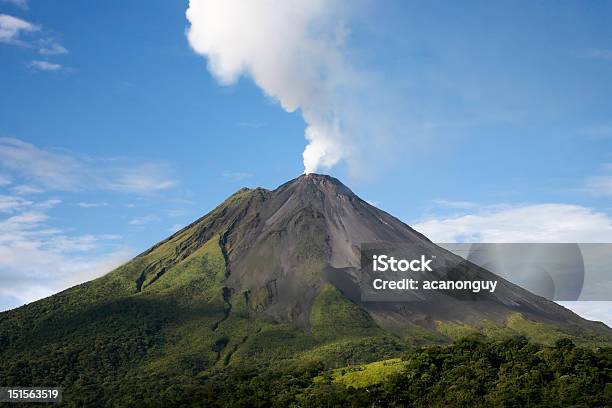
<point x="294" y="51"/>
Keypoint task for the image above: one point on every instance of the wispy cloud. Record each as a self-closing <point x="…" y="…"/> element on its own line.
<point x="236" y="175"/>
<point x="51" y="169"/>
<point x="20" y="32"/>
<point x="26" y="189"/>
<point x="37" y="259"/>
<point x="92" y="205"/>
<point x="44" y="66"/>
<point x="62" y="171"/>
<point x="22" y="4"/>
<point x="145" y="178"/>
<point x="599" y="311"/>
<point x="599" y="185"/>
<point x="549" y="222"/>
<point x="143" y="220"/>
<point x="9" y="204"/>
<point x="50" y="47"/>
<point x="13" y="204"/>
<point x="11" y="29"/>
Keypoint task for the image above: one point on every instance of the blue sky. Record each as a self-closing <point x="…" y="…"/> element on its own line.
<point x="473" y="121"/>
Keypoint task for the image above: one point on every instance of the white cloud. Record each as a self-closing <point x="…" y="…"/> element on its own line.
<point x="50" y="47"/>
<point x="12" y="204"/>
<point x="600" y="185"/>
<point x="43" y="205"/>
<point x="29" y="272"/>
<point x="146" y="178"/>
<point x="61" y="171"/>
<point x="11" y="30"/>
<point x="9" y="204"/>
<point x="25" y="189"/>
<point x="37" y="260"/>
<point x="598" y="311"/>
<point x="12" y="27"/>
<point x="45" y="66"/>
<point x="521" y="223"/>
<point x="295" y="52"/>
<point x="143" y="220"/>
<point x="22" y="4"/>
<point x="53" y="170"/>
<point x="92" y="205"/>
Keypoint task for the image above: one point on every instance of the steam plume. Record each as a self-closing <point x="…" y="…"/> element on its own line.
<point x="294" y="51"/>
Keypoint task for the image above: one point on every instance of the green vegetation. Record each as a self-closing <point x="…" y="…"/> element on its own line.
<point x="152" y="350"/>
<point x="333" y="315"/>
<point x="473" y="372"/>
<point x="517" y="325"/>
<point x="364" y="375"/>
<point x="476" y="372"/>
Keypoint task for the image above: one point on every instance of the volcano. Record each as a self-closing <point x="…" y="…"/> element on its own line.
<point x="282" y="248"/>
<point x="268" y="275"/>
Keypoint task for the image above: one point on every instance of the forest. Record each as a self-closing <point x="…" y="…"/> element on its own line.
<point x="472" y="372"/>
